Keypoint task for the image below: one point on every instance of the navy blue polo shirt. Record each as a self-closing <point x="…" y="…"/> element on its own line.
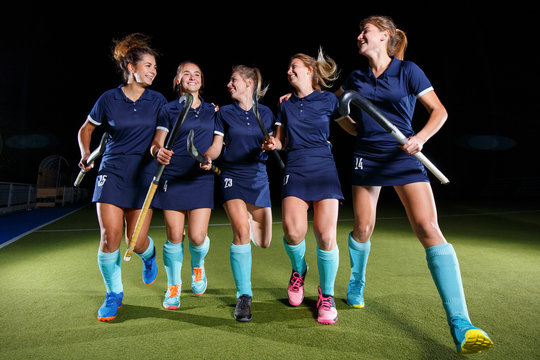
<point x="201" y="120"/>
<point x="243" y="137"/>
<point x="307" y="120"/>
<point x="394" y="93"/>
<point x="131" y="124"/>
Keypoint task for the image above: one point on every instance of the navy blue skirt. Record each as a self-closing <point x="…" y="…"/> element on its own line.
<point x="249" y="184"/>
<point x="394" y="171"/>
<point x="311" y="175"/>
<point x="124" y="180"/>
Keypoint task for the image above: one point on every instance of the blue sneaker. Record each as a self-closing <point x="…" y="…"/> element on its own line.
<point x="149" y="272"/>
<point x="198" y="280"/>
<point x="468" y="339"/>
<point x="355" y="294"/>
<point x="109" y="309"/>
<point x="172" y="298"/>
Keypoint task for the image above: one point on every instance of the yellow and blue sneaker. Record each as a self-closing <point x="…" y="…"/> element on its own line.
<point x="468" y="339"/>
<point x="355" y="294"/>
<point x="149" y="272"/>
<point x="109" y="309"/>
<point x="198" y="280"/>
<point x="172" y="298"/>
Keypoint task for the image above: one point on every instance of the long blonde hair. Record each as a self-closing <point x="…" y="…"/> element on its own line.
<point x="324" y="69"/>
<point x="253" y="73"/>
<point x="397" y="42"/>
<point x="130" y="50"/>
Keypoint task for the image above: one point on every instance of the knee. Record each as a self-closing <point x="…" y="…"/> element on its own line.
<point x="197" y="238"/>
<point x="175" y="235"/>
<point x="427" y="229"/>
<point x="362" y="232"/>
<point x="242" y="234"/>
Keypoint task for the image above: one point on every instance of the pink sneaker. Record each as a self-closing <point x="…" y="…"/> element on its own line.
<point x="295" y="290"/>
<point x="327" y="309"/>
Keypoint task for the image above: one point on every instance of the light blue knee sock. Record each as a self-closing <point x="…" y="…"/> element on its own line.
<point x="358" y="254"/>
<point x="328" y="263"/>
<point x="297" y="254"/>
<point x="199" y="252"/>
<point x="109" y="265"/>
<point x="149" y="252"/>
<point x="173" y="256"/>
<point x="240" y="256"/>
<point x="444" y="267"/>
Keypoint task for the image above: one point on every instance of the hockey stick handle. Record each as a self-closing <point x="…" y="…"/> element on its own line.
<point x="93" y="156"/>
<point x="263" y="128"/>
<point x="188" y="100"/>
<point x="354" y="97"/>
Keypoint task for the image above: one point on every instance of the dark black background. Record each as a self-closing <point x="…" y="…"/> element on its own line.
<point x="56" y="60"/>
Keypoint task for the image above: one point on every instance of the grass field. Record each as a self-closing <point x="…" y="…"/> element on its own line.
<point x="51" y="289"/>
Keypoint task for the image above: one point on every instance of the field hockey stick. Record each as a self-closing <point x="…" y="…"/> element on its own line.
<point x="263" y="128"/>
<point x="188" y="100"/>
<point x="93" y="156"/>
<point x="192" y="150"/>
<point x="366" y="105"/>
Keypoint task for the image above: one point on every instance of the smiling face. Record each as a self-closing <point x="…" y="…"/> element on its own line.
<point x="298" y="73"/>
<point x="189" y="78"/>
<point x="238" y="86"/>
<point x="371" y="39"/>
<point x="145" y="71"/>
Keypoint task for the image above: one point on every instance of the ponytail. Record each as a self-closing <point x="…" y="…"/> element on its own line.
<point x="252" y="73"/>
<point x="130" y="50"/>
<point x="324" y="69"/>
<point x="397" y="43"/>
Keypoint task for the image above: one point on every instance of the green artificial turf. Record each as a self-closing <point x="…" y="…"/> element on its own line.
<point x="51" y="289"/>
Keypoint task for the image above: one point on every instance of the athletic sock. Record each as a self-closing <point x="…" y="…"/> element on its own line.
<point x="240" y="257"/>
<point x="443" y="264"/>
<point x="109" y="265"/>
<point x="297" y="255"/>
<point x="199" y="252"/>
<point x="173" y="256"/>
<point x="149" y="252"/>
<point x="358" y="254"/>
<point x="328" y="263"/>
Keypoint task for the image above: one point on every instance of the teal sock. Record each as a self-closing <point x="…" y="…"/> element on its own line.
<point x="173" y="256"/>
<point x="443" y="264"/>
<point x="328" y="263"/>
<point x="149" y="252"/>
<point x="240" y="256"/>
<point x="358" y="254"/>
<point x="199" y="252"/>
<point x="109" y="265"/>
<point x="297" y="254"/>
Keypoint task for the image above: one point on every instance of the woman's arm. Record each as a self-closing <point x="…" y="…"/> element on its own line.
<point x="84" y="137"/>
<point x="437" y="118"/>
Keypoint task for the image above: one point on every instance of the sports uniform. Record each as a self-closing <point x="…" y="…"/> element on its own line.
<point x="310" y="171"/>
<point x="244" y="177"/>
<point x="125" y="171"/>
<point x="310" y="174"/>
<point x="377" y="159"/>
<point x="126" y="167"/>
<point x="185" y="186"/>
<point x="243" y="164"/>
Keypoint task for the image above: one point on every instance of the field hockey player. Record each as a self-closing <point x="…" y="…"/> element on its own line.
<point x="128" y="113"/>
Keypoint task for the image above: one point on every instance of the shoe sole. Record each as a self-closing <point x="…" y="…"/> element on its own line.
<point x="475" y="341"/>
<point x="171" y="307"/>
<point x="327" y="321"/>
<point x="292" y="303"/>
<point x="356" y="306"/>
<point x="243" y="319"/>
<point x="108" y="318"/>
